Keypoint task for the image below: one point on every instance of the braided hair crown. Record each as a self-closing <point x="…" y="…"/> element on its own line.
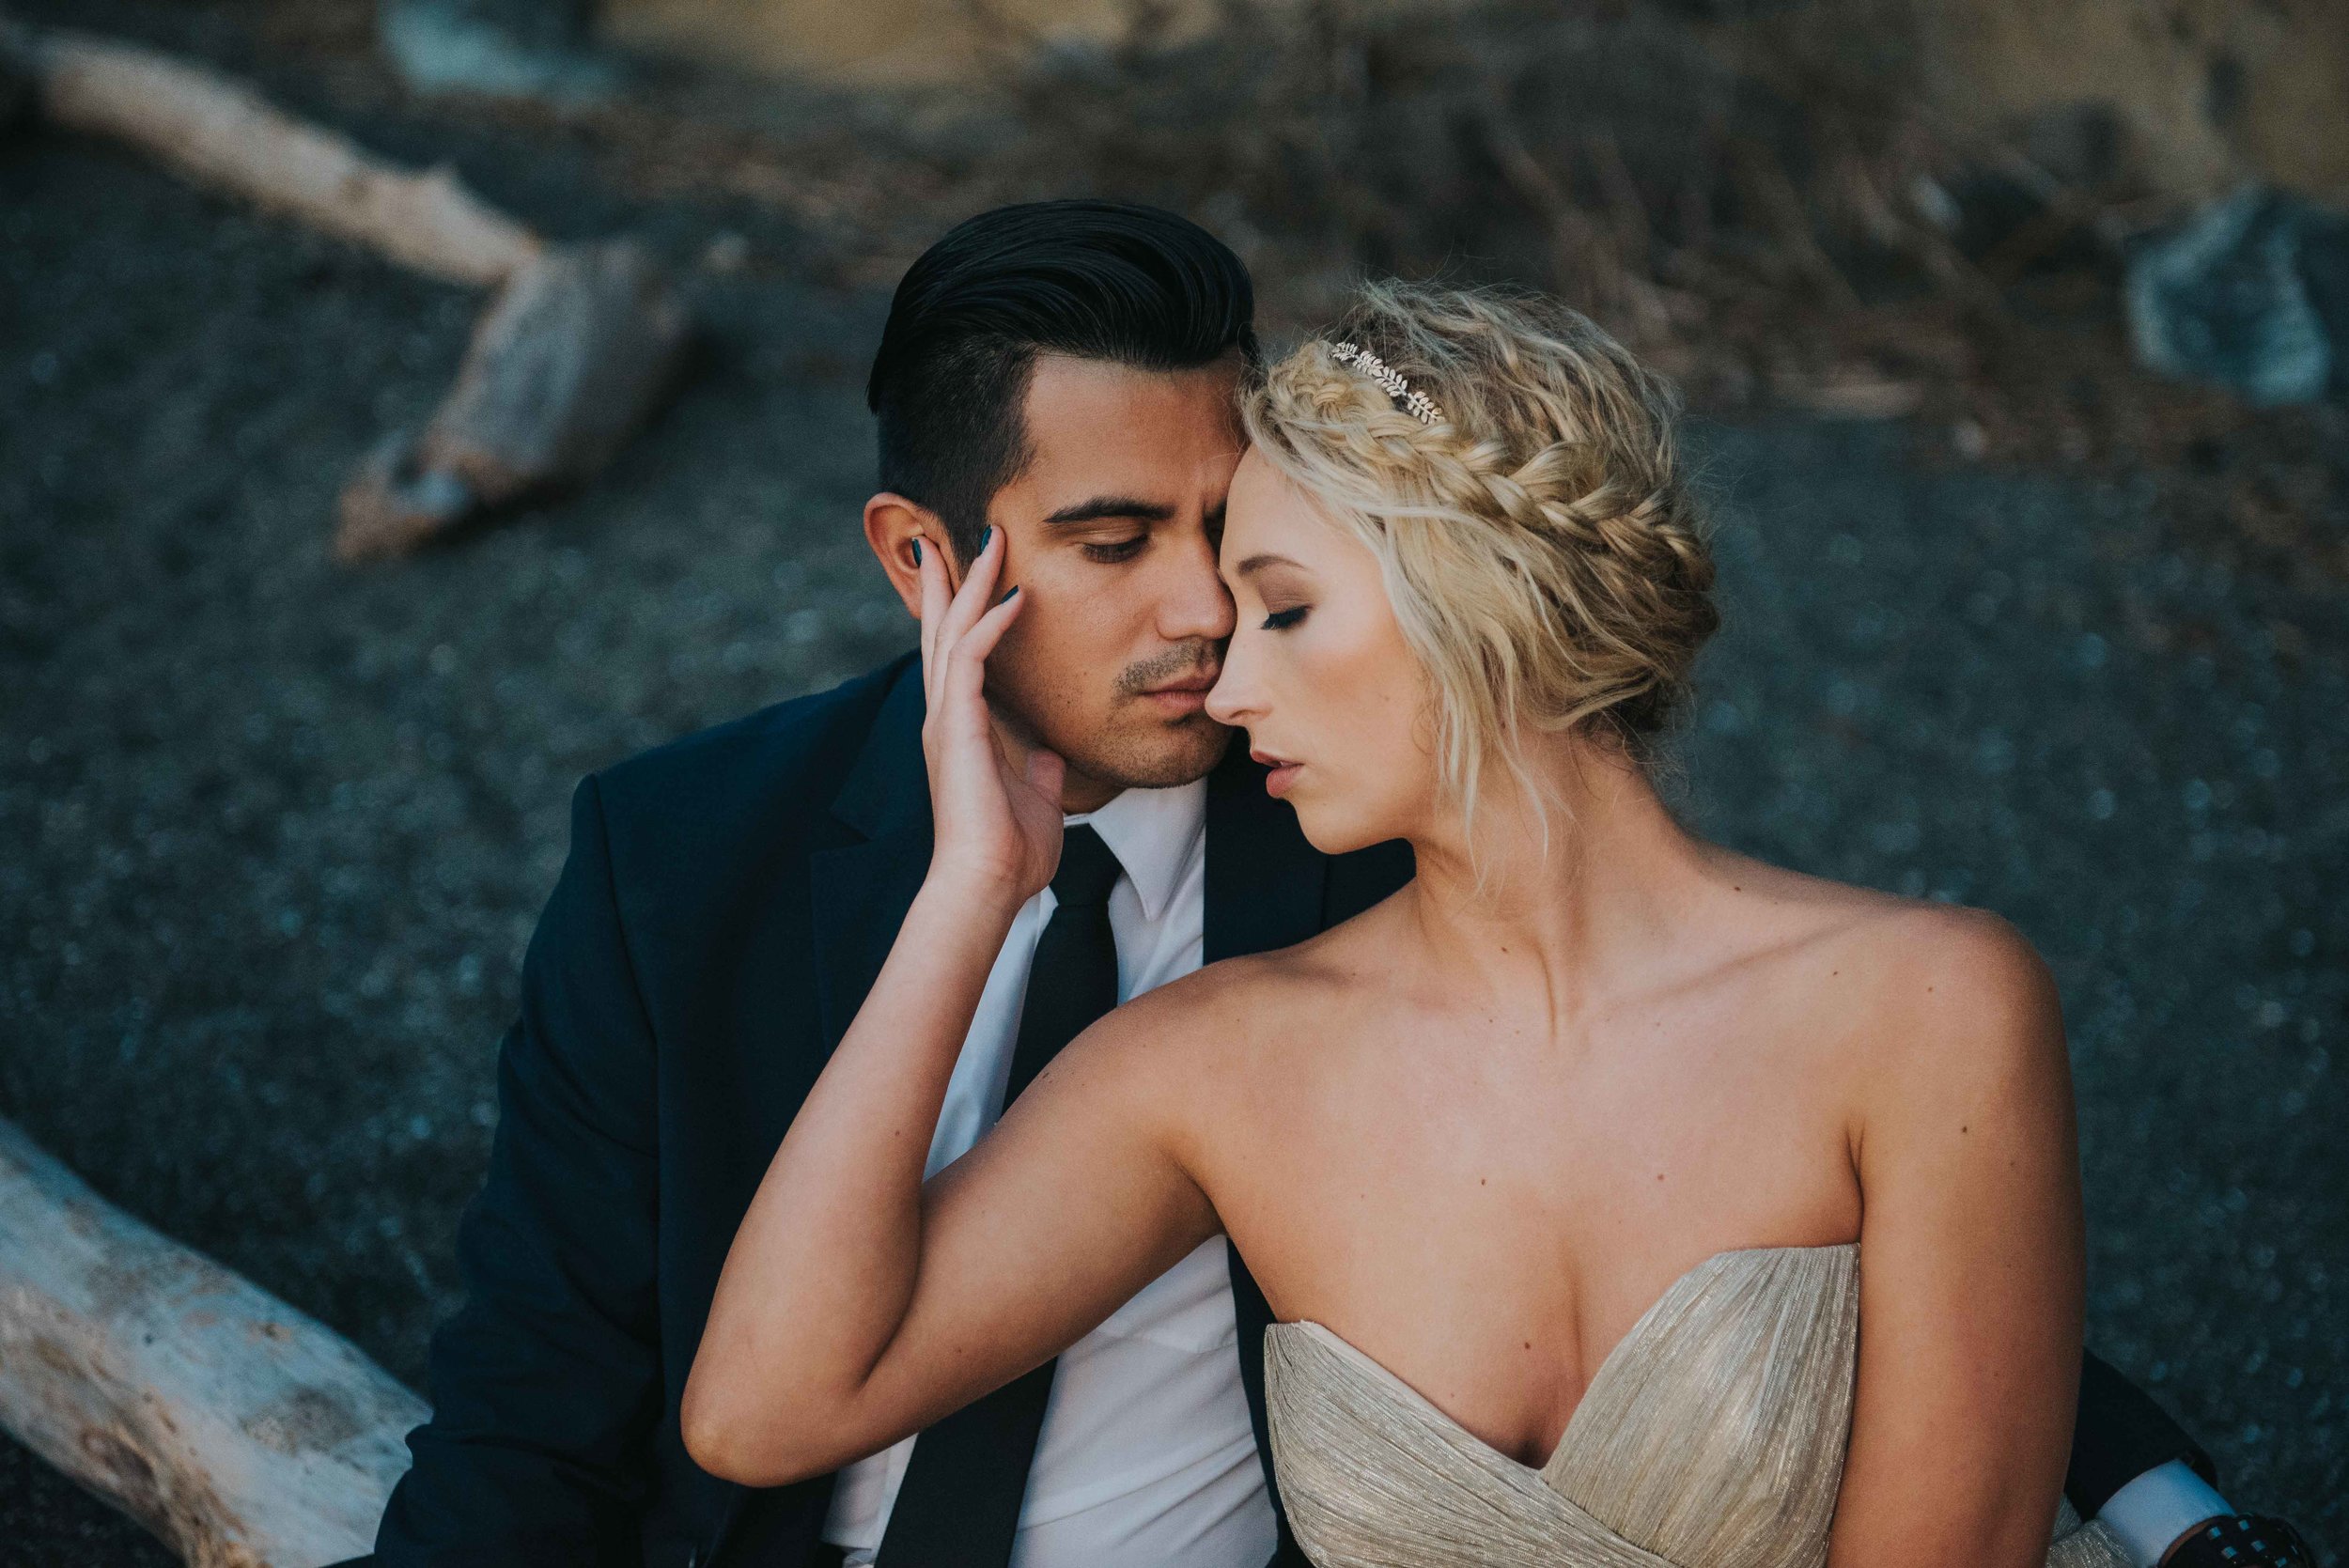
<point x="1538" y="541"/>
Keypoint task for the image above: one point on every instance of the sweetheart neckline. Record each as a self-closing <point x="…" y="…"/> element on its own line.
<point x="1612" y="1356"/>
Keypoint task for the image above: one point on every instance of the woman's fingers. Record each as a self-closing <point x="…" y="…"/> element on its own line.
<point x="977" y="592"/>
<point x="931" y="569"/>
<point x="974" y="647"/>
<point x="962" y="679"/>
<point x="950" y="639"/>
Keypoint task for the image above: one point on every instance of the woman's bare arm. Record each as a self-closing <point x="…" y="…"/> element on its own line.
<point x="857" y="1305"/>
<point x="1970" y="1261"/>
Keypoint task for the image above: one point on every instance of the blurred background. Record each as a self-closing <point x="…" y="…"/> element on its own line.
<point x="2015" y="335"/>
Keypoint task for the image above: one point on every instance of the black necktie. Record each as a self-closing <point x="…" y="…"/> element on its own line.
<point x="959" y="1505"/>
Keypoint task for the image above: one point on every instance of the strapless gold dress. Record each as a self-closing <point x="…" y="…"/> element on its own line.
<point x="1712" y="1436"/>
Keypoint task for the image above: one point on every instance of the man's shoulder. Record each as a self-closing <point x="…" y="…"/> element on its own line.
<point x="787" y="758"/>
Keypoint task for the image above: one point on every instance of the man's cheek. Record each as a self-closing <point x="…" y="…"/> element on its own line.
<point x="1048" y="672"/>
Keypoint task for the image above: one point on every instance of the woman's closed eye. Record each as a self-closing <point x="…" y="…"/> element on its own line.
<point x="1281" y="620"/>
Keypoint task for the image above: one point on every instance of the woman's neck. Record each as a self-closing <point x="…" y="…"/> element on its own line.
<point x="1588" y="884"/>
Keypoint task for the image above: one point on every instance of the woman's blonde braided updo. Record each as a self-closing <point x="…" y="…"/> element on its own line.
<point x="1538" y="541"/>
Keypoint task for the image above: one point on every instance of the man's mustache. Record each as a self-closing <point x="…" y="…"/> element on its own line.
<point x="1192" y="659"/>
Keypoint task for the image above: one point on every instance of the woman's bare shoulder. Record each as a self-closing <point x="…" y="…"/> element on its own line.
<point x="1932" y="965"/>
<point x="1912" y="948"/>
<point x="1947" y="1004"/>
<point x="1907" y="991"/>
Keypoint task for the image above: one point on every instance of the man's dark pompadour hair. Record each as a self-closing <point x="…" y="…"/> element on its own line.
<point x="1097" y="280"/>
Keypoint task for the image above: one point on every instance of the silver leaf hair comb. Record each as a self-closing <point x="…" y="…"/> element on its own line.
<point x="1416" y="404"/>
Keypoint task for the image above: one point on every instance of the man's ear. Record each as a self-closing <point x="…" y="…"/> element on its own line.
<point x="893" y="526"/>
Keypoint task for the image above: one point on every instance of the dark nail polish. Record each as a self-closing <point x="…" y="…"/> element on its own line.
<point x="986" y="536"/>
<point x="1007" y="597"/>
<point x="917" y="552"/>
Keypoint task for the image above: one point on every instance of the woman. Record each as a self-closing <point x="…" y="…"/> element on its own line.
<point x="1557" y="1166"/>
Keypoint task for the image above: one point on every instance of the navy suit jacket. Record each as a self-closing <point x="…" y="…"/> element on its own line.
<point x="727" y="902"/>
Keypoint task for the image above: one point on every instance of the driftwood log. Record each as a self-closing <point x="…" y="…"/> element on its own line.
<point x="573" y="353"/>
<point x="243" y="1433"/>
<point x="224" y="134"/>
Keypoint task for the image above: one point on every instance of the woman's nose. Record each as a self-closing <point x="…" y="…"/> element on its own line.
<point x="1231" y="701"/>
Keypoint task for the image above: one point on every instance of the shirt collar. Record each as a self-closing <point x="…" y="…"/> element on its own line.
<point x="1153" y="833"/>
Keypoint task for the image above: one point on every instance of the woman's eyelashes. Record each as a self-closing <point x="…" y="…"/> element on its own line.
<point x="1281" y="620"/>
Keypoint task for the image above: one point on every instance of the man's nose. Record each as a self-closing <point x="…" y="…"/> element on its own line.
<point x="1194" y="606"/>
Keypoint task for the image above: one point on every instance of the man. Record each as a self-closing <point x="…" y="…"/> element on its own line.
<point x="1063" y="372"/>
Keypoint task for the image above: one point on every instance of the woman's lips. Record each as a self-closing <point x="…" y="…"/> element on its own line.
<point x="1283" y="777"/>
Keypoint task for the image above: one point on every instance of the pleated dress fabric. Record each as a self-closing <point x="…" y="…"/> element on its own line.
<point x="1713" y="1436"/>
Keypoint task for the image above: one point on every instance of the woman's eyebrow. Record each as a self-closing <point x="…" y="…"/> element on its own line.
<point x="1102" y="506"/>
<point x="1257" y="562"/>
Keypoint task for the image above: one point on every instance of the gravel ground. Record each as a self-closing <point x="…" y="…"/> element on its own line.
<point x="278" y="830"/>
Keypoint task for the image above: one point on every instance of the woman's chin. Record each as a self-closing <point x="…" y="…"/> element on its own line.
<point x="1333" y="833"/>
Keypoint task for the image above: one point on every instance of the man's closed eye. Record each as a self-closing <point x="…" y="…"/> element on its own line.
<point x="1112" y="552"/>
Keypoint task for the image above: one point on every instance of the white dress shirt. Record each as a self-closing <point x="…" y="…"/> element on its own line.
<point x="1147" y="1458"/>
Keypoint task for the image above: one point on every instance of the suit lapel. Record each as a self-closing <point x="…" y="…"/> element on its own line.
<point x="862" y="890"/>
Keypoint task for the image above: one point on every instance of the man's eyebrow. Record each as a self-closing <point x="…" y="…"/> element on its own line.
<point x="1257" y="562"/>
<point x="1102" y="506"/>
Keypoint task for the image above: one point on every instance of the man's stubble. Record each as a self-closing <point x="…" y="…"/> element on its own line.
<point x="1128" y="748"/>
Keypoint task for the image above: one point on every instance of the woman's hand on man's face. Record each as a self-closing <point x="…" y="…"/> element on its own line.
<point x="996" y="812"/>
